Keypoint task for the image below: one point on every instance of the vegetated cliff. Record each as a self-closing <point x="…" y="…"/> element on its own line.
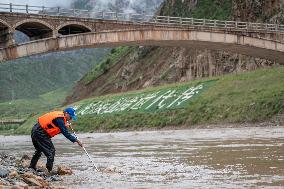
<point x="150" y="66"/>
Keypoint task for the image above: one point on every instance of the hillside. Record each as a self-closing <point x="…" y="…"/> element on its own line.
<point x="30" y="77"/>
<point x="142" y="67"/>
<point x="246" y="98"/>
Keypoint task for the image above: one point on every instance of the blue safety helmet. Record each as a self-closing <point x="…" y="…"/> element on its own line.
<point x="71" y="112"/>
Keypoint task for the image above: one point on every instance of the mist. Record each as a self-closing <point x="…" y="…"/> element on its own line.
<point x="47" y="3"/>
<point x="123" y="6"/>
<point x="126" y="6"/>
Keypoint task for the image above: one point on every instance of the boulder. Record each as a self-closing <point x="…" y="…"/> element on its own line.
<point x="25" y="161"/>
<point x="13" y="174"/>
<point x="110" y="169"/>
<point x="41" y="167"/>
<point x="64" y="170"/>
<point x="20" y="185"/>
<point x="35" y="180"/>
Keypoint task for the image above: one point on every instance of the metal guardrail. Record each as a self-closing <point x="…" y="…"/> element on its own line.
<point x="142" y="18"/>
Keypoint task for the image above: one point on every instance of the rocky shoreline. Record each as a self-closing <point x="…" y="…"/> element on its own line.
<point x="15" y="174"/>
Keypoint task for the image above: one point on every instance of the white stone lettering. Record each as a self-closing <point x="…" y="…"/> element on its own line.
<point x="168" y="99"/>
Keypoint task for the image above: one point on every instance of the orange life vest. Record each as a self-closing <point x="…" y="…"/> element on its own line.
<point x="45" y="122"/>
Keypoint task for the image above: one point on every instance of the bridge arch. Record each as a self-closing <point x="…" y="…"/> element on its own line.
<point x="251" y="46"/>
<point x="34" y="28"/>
<point x="73" y="27"/>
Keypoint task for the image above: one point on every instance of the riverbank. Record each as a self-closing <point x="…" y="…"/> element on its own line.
<point x="15" y="174"/>
<point x="276" y="121"/>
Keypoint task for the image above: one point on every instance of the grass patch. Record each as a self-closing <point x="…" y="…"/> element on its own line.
<point x="106" y="63"/>
<point x="248" y="97"/>
<point x="23" y="108"/>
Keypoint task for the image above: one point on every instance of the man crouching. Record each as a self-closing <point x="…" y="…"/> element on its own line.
<point x="49" y="125"/>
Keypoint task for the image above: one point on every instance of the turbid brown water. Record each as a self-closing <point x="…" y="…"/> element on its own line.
<point x="199" y="158"/>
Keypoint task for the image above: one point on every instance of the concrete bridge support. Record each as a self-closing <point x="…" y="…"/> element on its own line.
<point x="6" y="35"/>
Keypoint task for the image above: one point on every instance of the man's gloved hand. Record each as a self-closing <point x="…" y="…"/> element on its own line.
<point x="68" y="124"/>
<point x="79" y="143"/>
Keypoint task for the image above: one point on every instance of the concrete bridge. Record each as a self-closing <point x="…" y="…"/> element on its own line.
<point x="55" y="29"/>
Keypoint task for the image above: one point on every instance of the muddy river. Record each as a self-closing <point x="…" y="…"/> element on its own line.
<point x="197" y="158"/>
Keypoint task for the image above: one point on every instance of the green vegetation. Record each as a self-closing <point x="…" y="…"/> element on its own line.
<point x="210" y="9"/>
<point x="8" y="129"/>
<point x="248" y="97"/>
<point x="23" y="108"/>
<point x="32" y="76"/>
<point x="30" y="109"/>
<point x="216" y="9"/>
<point x="106" y="64"/>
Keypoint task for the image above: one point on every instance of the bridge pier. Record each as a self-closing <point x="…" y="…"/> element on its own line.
<point x="6" y="38"/>
<point x="55" y="33"/>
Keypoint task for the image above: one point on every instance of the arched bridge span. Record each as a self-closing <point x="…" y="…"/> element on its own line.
<point x="251" y="46"/>
<point x="56" y="29"/>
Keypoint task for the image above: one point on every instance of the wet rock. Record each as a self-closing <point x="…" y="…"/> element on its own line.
<point x="57" y="186"/>
<point x="25" y="161"/>
<point x="12" y="158"/>
<point x="21" y="185"/>
<point x="4" y="172"/>
<point x="4" y="182"/>
<point x="110" y="169"/>
<point x="54" y="178"/>
<point x="13" y="174"/>
<point x="35" y="180"/>
<point x="41" y="167"/>
<point x="64" y="170"/>
<point x="32" y="181"/>
<point x="26" y="157"/>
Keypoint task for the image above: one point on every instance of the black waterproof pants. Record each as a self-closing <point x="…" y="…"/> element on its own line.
<point x="42" y="143"/>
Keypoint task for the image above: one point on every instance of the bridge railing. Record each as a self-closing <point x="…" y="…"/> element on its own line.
<point x="143" y="18"/>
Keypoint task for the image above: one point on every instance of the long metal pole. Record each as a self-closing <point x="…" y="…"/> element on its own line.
<point x="84" y="149"/>
<point x="90" y="157"/>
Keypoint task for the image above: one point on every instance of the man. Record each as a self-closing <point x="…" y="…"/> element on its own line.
<point x="48" y="126"/>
